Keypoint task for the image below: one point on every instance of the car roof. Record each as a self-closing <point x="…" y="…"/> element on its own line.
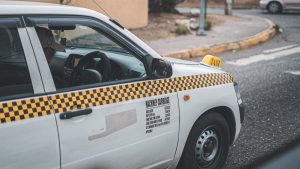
<point x="25" y="8"/>
<point x="34" y="8"/>
<point x="13" y="2"/>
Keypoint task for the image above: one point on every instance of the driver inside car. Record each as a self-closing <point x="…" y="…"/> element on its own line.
<point x="79" y="75"/>
<point x="49" y="45"/>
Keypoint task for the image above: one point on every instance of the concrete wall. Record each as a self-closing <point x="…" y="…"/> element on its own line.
<point x="130" y="13"/>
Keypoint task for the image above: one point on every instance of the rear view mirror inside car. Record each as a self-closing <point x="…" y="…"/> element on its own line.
<point x="54" y="27"/>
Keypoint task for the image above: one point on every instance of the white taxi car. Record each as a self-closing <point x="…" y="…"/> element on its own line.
<point x="79" y="91"/>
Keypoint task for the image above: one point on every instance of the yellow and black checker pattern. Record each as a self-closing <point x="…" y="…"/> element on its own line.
<point x="64" y="102"/>
<point x="24" y="109"/>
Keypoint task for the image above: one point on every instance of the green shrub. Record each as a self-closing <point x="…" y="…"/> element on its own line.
<point x="163" y="5"/>
<point x="208" y="25"/>
<point x="169" y="5"/>
<point x="277" y="28"/>
<point x="181" y="29"/>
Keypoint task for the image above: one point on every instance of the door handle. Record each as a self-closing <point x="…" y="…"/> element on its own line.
<point x="71" y="114"/>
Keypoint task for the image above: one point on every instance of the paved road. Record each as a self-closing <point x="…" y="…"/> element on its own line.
<point x="270" y="90"/>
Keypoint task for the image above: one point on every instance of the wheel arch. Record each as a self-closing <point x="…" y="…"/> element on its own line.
<point x="276" y="1"/>
<point x="228" y="114"/>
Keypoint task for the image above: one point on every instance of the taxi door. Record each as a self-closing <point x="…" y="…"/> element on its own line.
<point x="28" y="131"/>
<point x="117" y="124"/>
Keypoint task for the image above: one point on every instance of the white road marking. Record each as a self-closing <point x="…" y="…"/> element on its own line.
<point x="293" y="72"/>
<point x="279" y="49"/>
<point x="264" y="57"/>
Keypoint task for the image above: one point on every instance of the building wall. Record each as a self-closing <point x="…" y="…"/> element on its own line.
<point x="130" y="13"/>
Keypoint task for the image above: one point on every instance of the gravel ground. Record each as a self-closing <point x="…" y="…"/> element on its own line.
<point x="162" y="25"/>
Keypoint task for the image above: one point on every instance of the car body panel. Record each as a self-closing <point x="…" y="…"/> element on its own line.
<point x="291" y="4"/>
<point x="118" y="131"/>
<point x="34" y="145"/>
<point x="32" y="142"/>
<point x="202" y="100"/>
<point x="286" y="4"/>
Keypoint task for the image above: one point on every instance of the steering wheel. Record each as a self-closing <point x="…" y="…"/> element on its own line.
<point x="80" y="72"/>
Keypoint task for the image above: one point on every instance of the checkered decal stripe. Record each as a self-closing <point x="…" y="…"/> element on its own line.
<point x="64" y="102"/>
<point x="108" y="95"/>
<point x="24" y="109"/>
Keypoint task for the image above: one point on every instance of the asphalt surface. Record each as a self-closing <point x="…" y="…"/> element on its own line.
<point x="271" y="94"/>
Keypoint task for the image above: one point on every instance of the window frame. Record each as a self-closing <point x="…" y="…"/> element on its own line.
<point x="110" y="32"/>
<point x="30" y="61"/>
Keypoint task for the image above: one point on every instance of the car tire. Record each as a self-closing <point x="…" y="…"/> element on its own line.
<point x="208" y="143"/>
<point x="274" y="7"/>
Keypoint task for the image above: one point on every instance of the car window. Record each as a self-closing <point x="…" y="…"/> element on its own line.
<point x="80" y="55"/>
<point x="14" y="74"/>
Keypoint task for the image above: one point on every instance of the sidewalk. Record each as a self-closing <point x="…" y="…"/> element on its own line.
<point x="187" y="10"/>
<point x="237" y="31"/>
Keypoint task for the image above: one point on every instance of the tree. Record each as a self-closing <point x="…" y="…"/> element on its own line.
<point x="163" y="5"/>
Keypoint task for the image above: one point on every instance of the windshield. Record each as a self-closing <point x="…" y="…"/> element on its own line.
<point x="87" y="37"/>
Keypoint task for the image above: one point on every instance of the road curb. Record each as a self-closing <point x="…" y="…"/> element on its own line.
<point x="227" y="46"/>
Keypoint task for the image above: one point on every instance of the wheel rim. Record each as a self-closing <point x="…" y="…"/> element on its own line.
<point x="207" y="147"/>
<point x="274" y="7"/>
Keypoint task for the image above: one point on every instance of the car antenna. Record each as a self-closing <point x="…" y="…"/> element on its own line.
<point x="99" y="6"/>
<point x="110" y="18"/>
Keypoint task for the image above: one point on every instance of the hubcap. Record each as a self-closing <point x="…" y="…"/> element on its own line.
<point x="206" y="147"/>
<point x="274" y="7"/>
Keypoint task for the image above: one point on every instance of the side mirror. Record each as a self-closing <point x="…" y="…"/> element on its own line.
<point x="161" y="68"/>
